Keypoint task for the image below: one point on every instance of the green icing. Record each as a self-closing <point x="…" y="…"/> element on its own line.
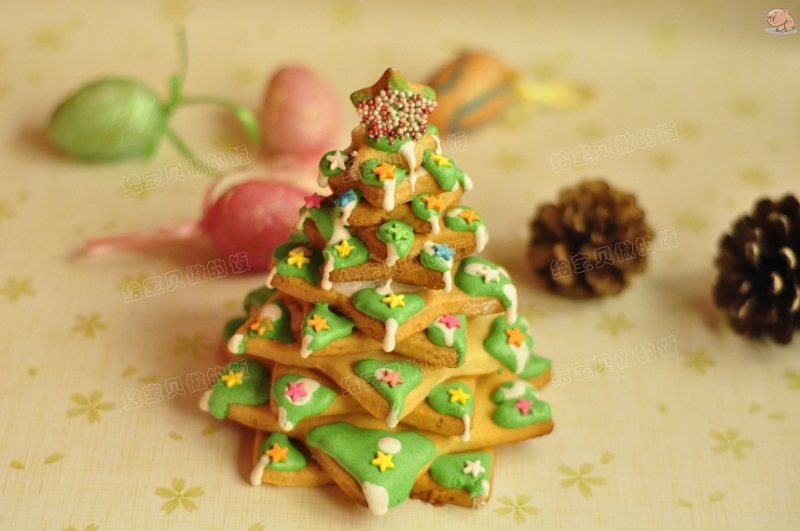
<point x="496" y="344"/>
<point x="397" y="233"/>
<point x="507" y="415"/>
<point x="439" y="400"/>
<point x="436" y="335"/>
<point x="354" y="449"/>
<point x="298" y="237"/>
<point x="232" y="326"/>
<point x="281" y="326"/>
<point x="459" y="224"/>
<point x="318" y="398"/>
<point x="368" y="301"/>
<point x="448" y="177"/>
<point x="409" y="373"/>
<point x="338" y="327"/>
<point x="253" y="391"/>
<point x="448" y="471"/>
<point x="308" y="272"/>
<point x="371" y="179"/>
<point x="357" y="256"/>
<point x="434" y="262"/>
<point x="323" y="217"/>
<point x="470" y="282"/>
<point x="432" y="130"/>
<point x="325" y="164"/>
<point x="295" y="460"/>
<point x="257" y="298"/>
<point x="420" y="210"/>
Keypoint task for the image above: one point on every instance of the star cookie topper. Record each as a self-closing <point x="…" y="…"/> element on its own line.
<point x="394" y="108"/>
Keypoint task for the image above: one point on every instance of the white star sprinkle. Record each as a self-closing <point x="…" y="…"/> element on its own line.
<point x="337" y="159"/>
<point x="474" y="468"/>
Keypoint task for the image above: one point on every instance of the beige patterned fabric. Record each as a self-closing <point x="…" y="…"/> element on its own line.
<point x="665" y="419"/>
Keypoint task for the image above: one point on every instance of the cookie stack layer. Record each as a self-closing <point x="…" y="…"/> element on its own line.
<point x="383" y="357"/>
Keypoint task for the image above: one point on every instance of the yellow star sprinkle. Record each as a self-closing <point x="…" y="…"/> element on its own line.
<point x="318" y="323"/>
<point x="441" y="160"/>
<point x="344" y="248"/>
<point x="383" y="461"/>
<point x="232" y="378"/>
<point x="458" y="395"/>
<point x="297" y="258"/>
<point x="394" y="300"/>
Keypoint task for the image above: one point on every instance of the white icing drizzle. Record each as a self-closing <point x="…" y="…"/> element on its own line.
<point x="516" y="390"/>
<point x="205" y="398"/>
<point x="389" y="445"/>
<point x="389" y="186"/>
<point x="481" y="238"/>
<point x="393" y="418"/>
<point x="438" y="144"/>
<point x="391" y="255"/>
<point x="467" y="183"/>
<point x="322" y="180"/>
<point x="510" y="291"/>
<point x="270" y="276"/>
<point x="235" y="342"/>
<point x="436" y="225"/>
<point x="326" y="283"/>
<point x="390" y="334"/>
<point x="311" y="388"/>
<point x="467" y="420"/>
<point x="283" y="421"/>
<point x="449" y="333"/>
<point x="487" y="273"/>
<point x="377" y="497"/>
<point x="258" y="471"/>
<point x="302" y="221"/>
<point x="521" y="355"/>
<point x="485" y="496"/>
<point x="447" y="278"/>
<point x="305" y="347"/>
<point x="410" y="156"/>
<point x="386" y="288"/>
<point x="270" y="311"/>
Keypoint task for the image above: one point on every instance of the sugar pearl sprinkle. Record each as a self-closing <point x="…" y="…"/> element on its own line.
<point x="395" y="114"/>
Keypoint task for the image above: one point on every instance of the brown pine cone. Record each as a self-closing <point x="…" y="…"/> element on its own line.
<point x="758" y="272"/>
<point x="590" y="241"/>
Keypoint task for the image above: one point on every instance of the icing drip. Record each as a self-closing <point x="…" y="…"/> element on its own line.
<point x="305" y="350"/>
<point x="467" y="420"/>
<point x="447" y="278"/>
<point x="435" y="222"/>
<point x="408" y="154"/>
<point x="390" y="334"/>
<point x="449" y="333"/>
<point x="438" y="145"/>
<point x="204" y="400"/>
<point x="389" y="186"/>
<point x="283" y="421"/>
<point x="377" y="498"/>
<point x="385" y="289"/>
<point x="302" y="221"/>
<point x="258" y="470"/>
<point x="322" y="181"/>
<point x="389" y="445"/>
<point x="391" y="255"/>
<point x="393" y="418"/>
<point x="236" y="344"/>
<point x="270" y="276"/>
<point x="326" y="283"/>
<point x="467" y="183"/>
<point x="481" y="238"/>
<point x="511" y="312"/>
<point x="270" y="311"/>
<point x="516" y="390"/>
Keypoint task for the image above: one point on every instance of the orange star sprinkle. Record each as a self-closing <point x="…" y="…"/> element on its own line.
<point x="515" y="337"/>
<point x="318" y="323"/>
<point x="433" y="202"/>
<point x="469" y="215"/>
<point x="277" y="453"/>
<point x="384" y="171"/>
<point x="262" y="326"/>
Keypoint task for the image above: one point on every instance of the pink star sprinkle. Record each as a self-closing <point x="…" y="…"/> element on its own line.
<point x="450" y="321"/>
<point x="314" y="200"/>
<point x="295" y="391"/>
<point x="391" y="377"/>
<point x="523" y="405"/>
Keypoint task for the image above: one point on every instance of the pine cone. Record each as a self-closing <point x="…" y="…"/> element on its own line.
<point x="758" y="273"/>
<point x="590" y="241"/>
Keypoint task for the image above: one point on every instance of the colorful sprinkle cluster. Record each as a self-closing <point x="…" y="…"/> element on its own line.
<point x="395" y="114"/>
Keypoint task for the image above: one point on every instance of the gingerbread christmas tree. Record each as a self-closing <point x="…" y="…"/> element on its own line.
<point x="383" y="356"/>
